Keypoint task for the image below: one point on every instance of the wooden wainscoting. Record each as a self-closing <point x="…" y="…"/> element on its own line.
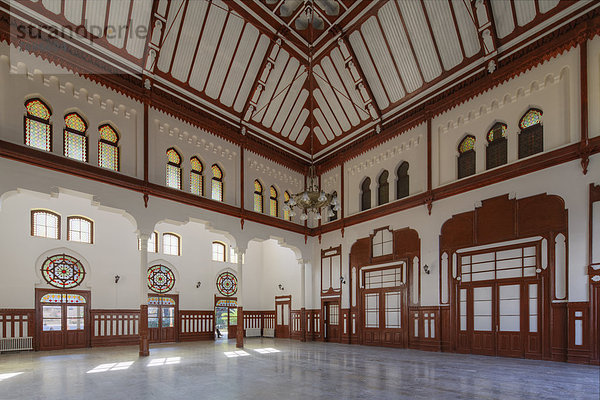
<point x="196" y="325"/>
<point x="578" y="350"/>
<point x="114" y="327"/>
<point x="425" y="328"/>
<point x="314" y="322"/>
<point x="17" y="323"/>
<point x="296" y="324"/>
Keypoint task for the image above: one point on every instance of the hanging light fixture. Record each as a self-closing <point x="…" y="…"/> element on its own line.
<point x="312" y="200"/>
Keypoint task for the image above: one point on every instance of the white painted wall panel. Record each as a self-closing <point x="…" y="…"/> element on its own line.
<point x="74" y="11"/>
<point x="272" y="82"/>
<point x="331" y="98"/>
<point x="291" y="119"/>
<point x="340" y="92"/>
<point x="118" y="14"/>
<point x="281" y="92"/>
<point x="348" y="81"/>
<point x="466" y="27"/>
<point x="444" y="32"/>
<point x="188" y="41"/>
<point x="95" y="16"/>
<point x="140" y="16"/>
<point x="327" y="113"/>
<point x="547" y="5"/>
<point x="503" y="17"/>
<point x="169" y="37"/>
<point x="525" y="10"/>
<point x="303" y="135"/>
<point x="291" y="99"/>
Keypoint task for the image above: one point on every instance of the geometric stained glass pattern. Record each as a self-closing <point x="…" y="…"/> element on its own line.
<point x="75" y="144"/>
<point x="108" y="151"/>
<point x="160" y="279"/>
<point x="468" y="143"/>
<point x="217" y="183"/>
<point x="227" y="284"/>
<point x="273" y="204"/>
<point x="38" y="131"/>
<point x="63" y="271"/>
<point x="258" y="197"/>
<point x="196" y="178"/>
<point x="173" y="175"/>
<point x="161" y="301"/>
<point x="226" y="303"/>
<point x="69" y="298"/>
<point x="498" y="131"/>
<point x="286" y="213"/>
<point x="531" y="117"/>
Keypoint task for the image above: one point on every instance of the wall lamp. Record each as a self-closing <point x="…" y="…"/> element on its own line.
<point x="198" y="284"/>
<point x="117" y="277"/>
<point x="427" y="269"/>
<point x="342" y="280"/>
<point x="281" y="287"/>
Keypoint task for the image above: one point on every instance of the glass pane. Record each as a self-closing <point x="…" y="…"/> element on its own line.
<point x="52" y="324"/>
<point x="52" y="311"/>
<point x="168" y="312"/>
<point x="152" y="312"/>
<point x="152" y="322"/>
<point x="168" y="322"/>
<point x="233" y="316"/>
<point x="74" y="311"/>
<point x="74" y="324"/>
<point x="392" y="310"/>
<point x="482" y="308"/>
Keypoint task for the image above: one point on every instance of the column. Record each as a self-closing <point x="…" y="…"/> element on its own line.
<point x="240" y="310"/>
<point x="302" y="300"/>
<point x="143" y="321"/>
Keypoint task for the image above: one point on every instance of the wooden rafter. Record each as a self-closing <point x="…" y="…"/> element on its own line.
<point x="261" y="79"/>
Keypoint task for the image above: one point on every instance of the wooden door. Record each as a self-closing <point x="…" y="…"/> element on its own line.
<point x="282" y="316"/>
<point x="481" y="319"/>
<point x="63" y="319"/>
<point x="162" y="318"/>
<point x="331" y="321"/>
<point x="232" y="327"/>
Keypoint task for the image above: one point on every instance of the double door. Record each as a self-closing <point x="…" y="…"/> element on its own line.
<point x="63" y="319"/>
<point x="385" y="314"/>
<point x="500" y="318"/>
<point x="162" y="319"/>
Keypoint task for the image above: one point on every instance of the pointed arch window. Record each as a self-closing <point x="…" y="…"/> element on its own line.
<point x="75" y="144"/>
<point x="173" y="169"/>
<point x="402" y="182"/>
<point x="217" y="183"/>
<point x="273" y="202"/>
<point x="258" y="196"/>
<point x="497" y="150"/>
<point x="108" y="149"/>
<point x="196" y="177"/>
<point x="531" y="137"/>
<point x="466" y="157"/>
<point x="38" y="131"/>
<point x="365" y="194"/>
<point x="383" y="189"/>
<point x="286" y="212"/>
<point x="333" y="215"/>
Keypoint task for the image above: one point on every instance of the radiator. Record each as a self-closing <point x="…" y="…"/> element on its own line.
<point x="268" y="332"/>
<point x="252" y="332"/>
<point x="16" y="344"/>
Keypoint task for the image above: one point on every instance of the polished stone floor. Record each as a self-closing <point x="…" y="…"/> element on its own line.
<point x="284" y="369"/>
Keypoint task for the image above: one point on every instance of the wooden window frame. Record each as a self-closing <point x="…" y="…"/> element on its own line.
<point x="382" y="188"/>
<point x="32" y="224"/>
<point x="222" y="194"/>
<point x="363" y="194"/>
<point x="37" y="119"/>
<point x="115" y="145"/>
<point x="402" y="180"/>
<point x="71" y="217"/>
<point x="200" y="174"/>
<point x="178" y="243"/>
<point x="258" y="194"/>
<point x="75" y="132"/>
<point x="275" y="200"/>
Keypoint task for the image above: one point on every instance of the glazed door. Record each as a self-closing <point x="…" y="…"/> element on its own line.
<point x="64" y="319"/>
<point x="282" y="317"/>
<point x="331" y="321"/>
<point x="162" y="316"/>
<point x="232" y="328"/>
<point x="226" y="317"/>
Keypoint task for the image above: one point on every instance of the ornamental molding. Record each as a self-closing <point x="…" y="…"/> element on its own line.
<point x="391" y="153"/>
<point x="264" y="169"/>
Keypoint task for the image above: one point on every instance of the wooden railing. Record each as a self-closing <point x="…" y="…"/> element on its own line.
<point x="17" y="323"/>
<point x="114" y="327"/>
<point x="196" y="325"/>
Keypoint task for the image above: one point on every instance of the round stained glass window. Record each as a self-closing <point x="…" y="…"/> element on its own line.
<point x="63" y="271"/>
<point x="227" y="284"/>
<point x="160" y="279"/>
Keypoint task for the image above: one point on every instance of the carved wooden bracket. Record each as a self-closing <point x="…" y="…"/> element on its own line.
<point x="429" y="203"/>
<point x="242" y="222"/>
<point x="585" y="151"/>
<point x="146" y="198"/>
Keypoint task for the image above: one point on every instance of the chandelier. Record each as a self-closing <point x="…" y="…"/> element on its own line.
<point x="312" y="200"/>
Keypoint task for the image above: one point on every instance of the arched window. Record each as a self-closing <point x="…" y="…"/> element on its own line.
<point x="45" y="224"/>
<point x="365" y="194"/>
<point x="38" y="131"/>
<point x="531" y="137"/>
<point x="402" y="183"/>
<point x="80" y="229"/>
<point x="108" y="150"/>
<point x="63" y="271"/>
<point x="196" y="177"/>
<point x="496" y="151"/>
<point x="75" y="143"/>
<point x="171" y="244"/>
<point x="273" y="202"/>
<point x="286" y="212"/>
<point x="218" y="251"/>
<point x="173" y="169"/>
<point x="466" y="156"/>
<point x="334" y="214"/>
<point x="258" y="196"/>
<point x="217" y="183"/>
<point x="383" y="189"/>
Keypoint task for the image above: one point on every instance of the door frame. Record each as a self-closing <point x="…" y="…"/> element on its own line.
<point x="284" y="300"/>
<point x="176" y="327"/>
<point x="217" y="298"/>
<point x="325" y="303"/>
<point x="40" y="292"/>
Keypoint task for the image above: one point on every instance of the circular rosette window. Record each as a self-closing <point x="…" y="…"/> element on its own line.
<point x="227" y="284"/>
<point x="160" y="279"/>
<point x="63" y="271"/>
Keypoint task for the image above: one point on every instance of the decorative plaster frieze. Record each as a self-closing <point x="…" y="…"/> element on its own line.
<point x="390" y="153"/>
<point x="264" y="169"/>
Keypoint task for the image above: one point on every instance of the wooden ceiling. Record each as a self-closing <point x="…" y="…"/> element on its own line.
<point x="309" y="89"/>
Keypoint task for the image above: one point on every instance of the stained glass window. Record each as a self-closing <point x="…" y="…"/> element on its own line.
<point x="173" y="169"/>
<point x="160" y="278"/>
<point x="38" y="131"/>
<point x="286" y="199"/>
<point x="497" y="132"/>
<point x="63" y="271"/>
<point x="75" y="144"/>
<point x="70" y="298"/>
<point x="531" y="117"/>
<point x="171" y="244"/>
<point x="196" y="178"/>
<point x="258" y="197"/>
<point x="218" y="251"/>
<point x="45" y="224"/>
<point x="161" y="301"/>
<point x="108" y="151"/>
<point x="226" y="303"/>
<point x="227" y="284"/>
<point x="468" y="143"/>
<point x="273" y="203"/>
<point x="217" y="183"/>
<point x="79" y="229"/>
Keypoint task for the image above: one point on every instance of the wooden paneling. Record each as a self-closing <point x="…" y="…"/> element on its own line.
<point x="425" y="328"/>
<point x="196" y="325"/>
<point x="16" y="323"/>
<point x="594" y="279"/>
<point x="579" y="340"/>
<point x="115" y="327"/>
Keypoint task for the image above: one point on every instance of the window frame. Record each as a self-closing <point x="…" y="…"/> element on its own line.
<point x="223" y="246"/>
<point x="155" y="234"/>
<point x="273" y="200"/>
<point x="222" y="192"/>
<point x="335" y="213"/>
<point x="258" y="195"/>
<point x="80" y="217"/>
<point x="40" y="120"/>
<point x="109" y="143"/>
<point x="496" y="151"/>
<point x="76" y="132"/>
<point x="363" y="194"/>
<point x="199" y="174"/>
<point x="58" y="223"/>
<point x="172" y="164"/>
<point x="383" y="189"/>
<point x="464" y="157"/>
<point x="402" y="179"/>
<point x="286" y="199"/>
<point x="171" y="234"/>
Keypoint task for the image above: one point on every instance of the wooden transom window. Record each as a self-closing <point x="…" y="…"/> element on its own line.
<point x="383" y="278"/>
<point x="383" y="243"/>
<point x="505" y="263"/>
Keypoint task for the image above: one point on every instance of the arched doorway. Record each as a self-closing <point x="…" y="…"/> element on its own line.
<point x="225" y="317"/>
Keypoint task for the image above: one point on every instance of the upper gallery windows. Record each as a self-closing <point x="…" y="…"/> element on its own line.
<point x="217" y="183"/>
<point x="108" y="149"/>
<point x="38" y="131"/>
<point x="196" y="177"/>
<point x="173" y="176"/>
<point x="218" y="251"/>
<point x="75" y="139"/>
<point x="466" y="156"/>
<point x="258" y="196"/>
<point x="531" y="138"/>
<point x="80" y="229"/>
